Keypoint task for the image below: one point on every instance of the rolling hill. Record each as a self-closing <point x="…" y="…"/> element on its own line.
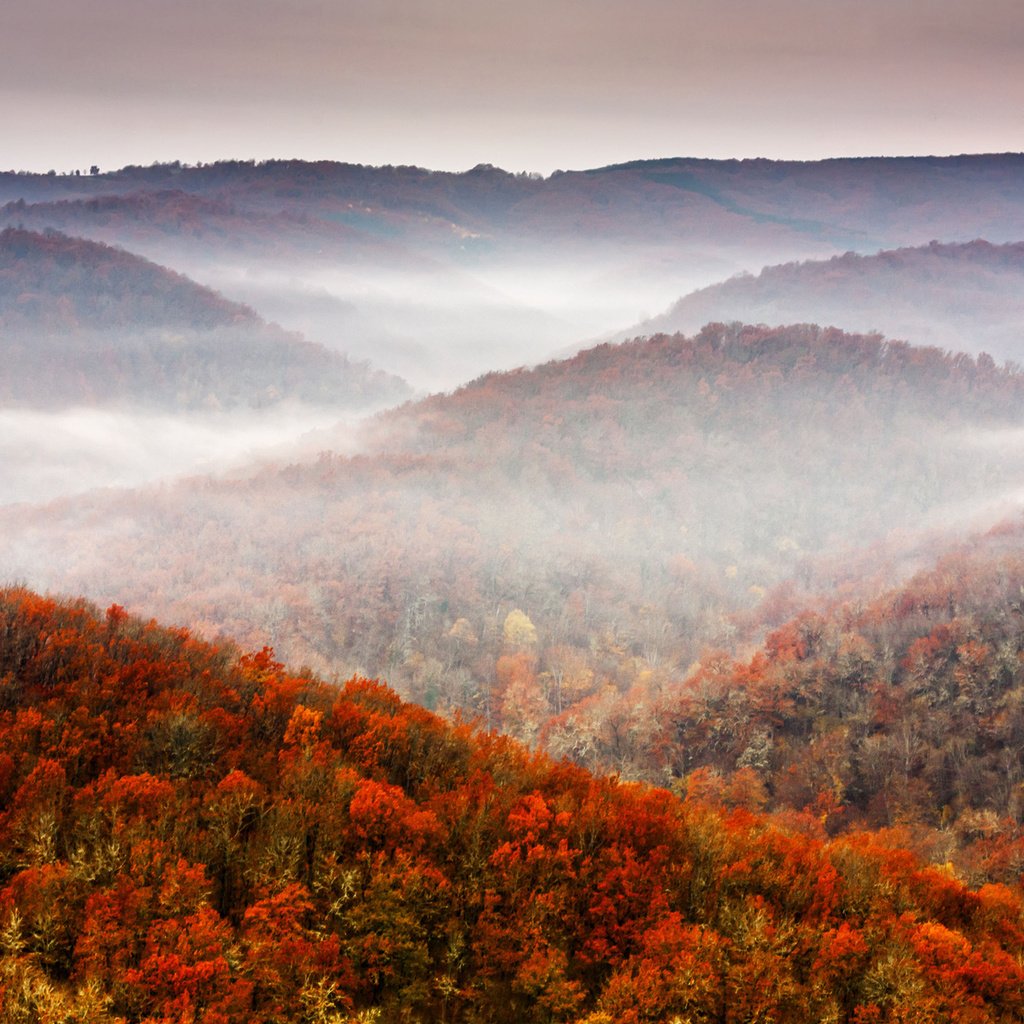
<point x="186" y="833"/>
<point x="962" y="296"/>
<point x="555" y="538"/>
<point x="83" y="323"/>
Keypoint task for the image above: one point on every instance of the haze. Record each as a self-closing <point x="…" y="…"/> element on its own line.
<point x="527" y="86"/>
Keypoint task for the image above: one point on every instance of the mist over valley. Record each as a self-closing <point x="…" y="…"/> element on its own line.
<point x="513" y="664"/>
<point x="439" y="277"/>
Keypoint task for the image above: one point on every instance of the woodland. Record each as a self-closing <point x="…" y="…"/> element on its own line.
<point x="87" y="324"/>
<point x="541" y="669"/>
<point x="192" y="835"/>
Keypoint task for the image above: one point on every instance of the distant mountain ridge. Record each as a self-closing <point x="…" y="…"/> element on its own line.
<point x="868" y="199"/>
<point x="957" y="296"/>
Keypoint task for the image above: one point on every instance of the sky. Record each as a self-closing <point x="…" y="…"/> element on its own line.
<point x="533" y="85"/>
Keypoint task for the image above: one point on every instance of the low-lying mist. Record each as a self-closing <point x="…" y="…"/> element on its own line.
<point x="441" y="326"/>
<point x="47" y="454"/>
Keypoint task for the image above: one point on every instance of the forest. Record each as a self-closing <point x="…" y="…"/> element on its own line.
<point x="84" y="323"/>
<point x="188" y="833"/>
<point x="471" y="657"/>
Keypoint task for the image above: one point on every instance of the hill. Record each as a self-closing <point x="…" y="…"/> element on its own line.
<point x="190" y="834"/>
<point x="861" y="201"/>
<point x="50" y="282"/>
<point x="85" y="323"/>
<point x="555" y="538"/>
<point x="901" y="710"/>
<point x="964" y="296"/>
<point x="440" y="277"/>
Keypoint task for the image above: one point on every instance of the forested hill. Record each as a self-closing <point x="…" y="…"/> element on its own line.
<point x="53" y="282"/>
<point x="554" y="539"/>
<point x="902" y="711"/>
<point x="964" y="296"/>
<point x="82" y="323"/>
<point x="858" y="202"/>
<point x="186" y="834"/>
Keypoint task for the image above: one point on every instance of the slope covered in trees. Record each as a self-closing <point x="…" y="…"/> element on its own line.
<point x="50" y="281"/>
<point x="844" y="200"/>
<point x="85" y="323"/>
<point x="905" y="710"/>
<point x="965" y="296"/>
<point x="551" y="540"/>
<point x="186" y="834"/>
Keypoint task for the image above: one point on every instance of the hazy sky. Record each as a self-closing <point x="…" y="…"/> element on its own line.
<point x="525" y="84"/>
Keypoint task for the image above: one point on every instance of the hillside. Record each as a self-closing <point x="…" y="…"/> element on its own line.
<point x="903" y="710"/>
<point x="84" y="323"/>
<point x="439" y="277"/>
<point x="187" y="834"/>
<point x="556" y="538"/>
<point x="965" y="296"/>
<point x="861" y="202"/>
<point x="50" y="282"/>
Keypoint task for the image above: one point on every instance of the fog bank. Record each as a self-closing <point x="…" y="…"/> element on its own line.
<point x="47" y="455"/>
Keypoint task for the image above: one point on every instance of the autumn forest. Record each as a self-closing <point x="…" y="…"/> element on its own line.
<point x="593" y="598"/>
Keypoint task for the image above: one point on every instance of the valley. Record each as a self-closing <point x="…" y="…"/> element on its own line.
<point x="470" y="655"/>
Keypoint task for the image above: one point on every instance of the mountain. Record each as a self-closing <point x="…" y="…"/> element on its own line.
<point x="190" y="834"/>
<point x="858" y="200"/>
<point x="85" y="323"/>
<point x="553" y="539"/>
<point x="964" y="296"/>
<point x="171" y="221"/>
<point x="440" y="277"/>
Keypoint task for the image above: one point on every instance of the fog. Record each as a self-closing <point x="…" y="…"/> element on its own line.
<point x="442" y="327"/>
<point x="47" y="455"/>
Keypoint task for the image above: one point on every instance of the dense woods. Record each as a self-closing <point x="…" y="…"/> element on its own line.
<point x="551" y="550"/>
<point x="904" y="711"/>
<point x="954" y="296"/>
<point x="84" y="323"/>
<point x="190" y="834"/>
